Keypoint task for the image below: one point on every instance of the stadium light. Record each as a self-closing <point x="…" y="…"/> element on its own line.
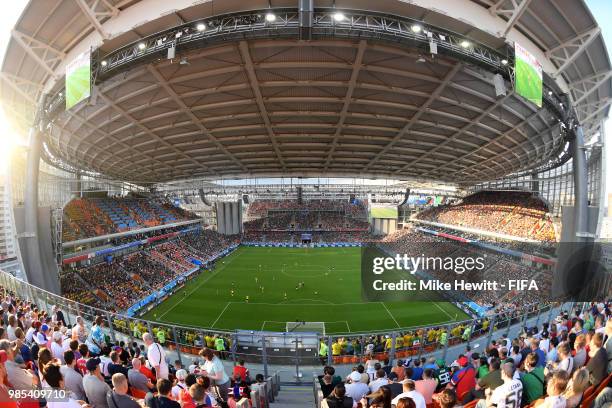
<point x="270" y="17"/>
<point x="142" y="46"/>
<point x="504" y="61"/>
<point x="416" y="28"/>
<point x="465" y="43"/>
<point x="201" y="27"/>
<point x="104" y="63"/>
<point x="339" y="16"/>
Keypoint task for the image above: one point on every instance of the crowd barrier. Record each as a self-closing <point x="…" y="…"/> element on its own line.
<point x="293" y="351"/>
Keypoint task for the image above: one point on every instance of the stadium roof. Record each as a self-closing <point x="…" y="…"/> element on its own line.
<point x="363" y="98"/>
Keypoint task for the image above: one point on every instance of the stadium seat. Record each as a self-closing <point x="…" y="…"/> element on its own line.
<point x="603" y="385"/>
<point x="470" y="404"/>
<point x="536" y="402"/>
<point x="589" y="391"/>
<point x="587" y="402"/>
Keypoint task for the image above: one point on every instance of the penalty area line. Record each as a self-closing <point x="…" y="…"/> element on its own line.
<point x="220" y="314"/>
<point x="392" y="317"/>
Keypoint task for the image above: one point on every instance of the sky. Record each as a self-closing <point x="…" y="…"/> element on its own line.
<point x="601" y="10"/>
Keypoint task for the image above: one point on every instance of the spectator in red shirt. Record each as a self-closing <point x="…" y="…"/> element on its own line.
<point x="241" y="372"/>
<point x="465" y="379"/>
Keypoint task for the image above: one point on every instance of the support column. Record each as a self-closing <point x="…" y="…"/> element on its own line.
<point x="580" y="186"/>
<point x="34" y="271"/>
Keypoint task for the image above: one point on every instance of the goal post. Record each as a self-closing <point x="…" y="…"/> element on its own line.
<point x="305" y="327"/>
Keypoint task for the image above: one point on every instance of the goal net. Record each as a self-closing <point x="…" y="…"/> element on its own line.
<point x="305" y="327"/>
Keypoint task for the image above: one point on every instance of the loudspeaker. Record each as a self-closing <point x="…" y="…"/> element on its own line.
<point x="245" y="199"/>
<point x="500" y="85"/>
<point x="171" y="52"/>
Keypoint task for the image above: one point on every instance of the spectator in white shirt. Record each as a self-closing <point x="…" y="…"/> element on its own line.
<point x="57" y="351"/>
<point x="180" y="383"/>
<point x="10" y="329"/>
<point x="379" y="381"/>
<point x="156" y="356"/>
<point x="410" y="391"/>
<point x="356" y="389"/>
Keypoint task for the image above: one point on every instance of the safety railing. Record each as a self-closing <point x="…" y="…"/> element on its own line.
<point x="292" y="353"/>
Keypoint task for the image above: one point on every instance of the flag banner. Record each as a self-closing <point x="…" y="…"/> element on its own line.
<point x="78" y="80"/>
<point x="527" y="75"/>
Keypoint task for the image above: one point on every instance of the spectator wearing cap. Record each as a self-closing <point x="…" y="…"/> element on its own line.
<point x="137" y="379"/>
<point x="180" y="384"/>
<point x="118" y="397"/>
<point x="41" y="338"/>
<point x="73" y="379"/>
<point x="19" y="377"/>
<point x="94" y="385"/>
<point x="57" y="351"/>
<point x="464" y="379"/>
<point x="409" y="391"/>
<point x="355" y="388"/>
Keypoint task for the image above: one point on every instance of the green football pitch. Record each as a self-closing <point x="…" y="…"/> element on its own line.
<point x="270" y="277"/>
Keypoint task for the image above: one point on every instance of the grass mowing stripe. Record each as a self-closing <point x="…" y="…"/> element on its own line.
<point x="257" y="274"/>
<point x="198" y="286"/>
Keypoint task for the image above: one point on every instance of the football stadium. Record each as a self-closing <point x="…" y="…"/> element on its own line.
<point x="305" y="203"/>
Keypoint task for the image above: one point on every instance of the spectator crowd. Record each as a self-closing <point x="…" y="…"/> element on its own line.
<point x="564" y="363"/>
<point x="44" y="361"/>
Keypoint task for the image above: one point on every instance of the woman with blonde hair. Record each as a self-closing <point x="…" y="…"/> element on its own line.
<point x="576" y="388"/>
<point x="580" y="353"/>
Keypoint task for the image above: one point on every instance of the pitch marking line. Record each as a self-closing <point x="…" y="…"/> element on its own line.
<point x="393" y="317"/>
<point x="220" y="314"/>
<point x="448" y="314"/>
<point x="212" y="275"/>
